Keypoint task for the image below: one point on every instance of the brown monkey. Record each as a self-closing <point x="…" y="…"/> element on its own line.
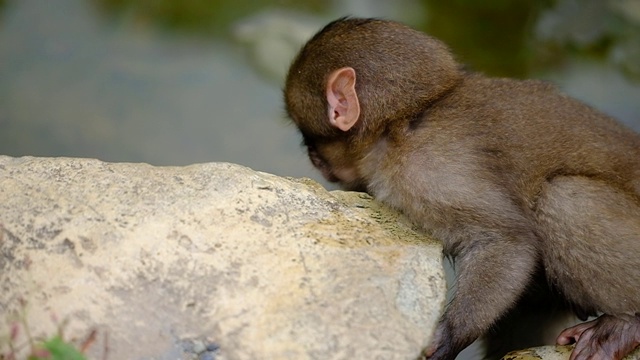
<point x="529" y="190"/>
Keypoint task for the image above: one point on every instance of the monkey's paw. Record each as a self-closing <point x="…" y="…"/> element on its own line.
<point x="607" y="337"/>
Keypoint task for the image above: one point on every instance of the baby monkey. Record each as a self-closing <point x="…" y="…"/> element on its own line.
<point x="530" y="191"/>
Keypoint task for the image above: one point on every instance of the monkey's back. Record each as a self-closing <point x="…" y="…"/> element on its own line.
<point x="531" y="132"/>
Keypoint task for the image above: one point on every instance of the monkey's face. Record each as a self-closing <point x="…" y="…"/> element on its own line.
<point x="332" y="159"/>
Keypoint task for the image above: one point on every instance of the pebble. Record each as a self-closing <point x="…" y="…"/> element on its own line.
<point x="207" y="356"/>
<point x="198" y="346"/>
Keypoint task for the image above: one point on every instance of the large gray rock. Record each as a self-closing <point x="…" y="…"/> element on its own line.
<point x="167" y="259"/>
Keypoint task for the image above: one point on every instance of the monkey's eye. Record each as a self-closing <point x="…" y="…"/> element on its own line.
<point x="311" y="148"/>
<point x="307" y="140"/>
<point x="316" y="158"/>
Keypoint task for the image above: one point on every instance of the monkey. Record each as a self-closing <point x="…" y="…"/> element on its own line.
<point x="532" y="193"/>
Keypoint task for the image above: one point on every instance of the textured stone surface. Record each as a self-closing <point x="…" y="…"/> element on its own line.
<point x="162" y="258"/>
<point x="542" y="352"/>
<point x="552" y="353"/>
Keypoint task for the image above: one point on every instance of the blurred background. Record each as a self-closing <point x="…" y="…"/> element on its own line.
<point x="176" y="82"/>
<point x="172" y="82"/>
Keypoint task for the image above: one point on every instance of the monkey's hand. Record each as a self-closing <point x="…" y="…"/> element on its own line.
<point x="439" y="348"/>
<point x="607" y="337"/>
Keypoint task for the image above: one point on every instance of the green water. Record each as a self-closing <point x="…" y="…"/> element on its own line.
<point x="180" y="82"/>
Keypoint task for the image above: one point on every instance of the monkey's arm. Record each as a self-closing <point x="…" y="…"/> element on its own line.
<point x="460" y="201"/>
<point x="494" y="267"/>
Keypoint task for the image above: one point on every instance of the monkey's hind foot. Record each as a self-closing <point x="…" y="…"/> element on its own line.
<point x="607" y="337"/>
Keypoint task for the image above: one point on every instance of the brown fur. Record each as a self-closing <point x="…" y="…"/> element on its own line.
<point x="515" y="178"/>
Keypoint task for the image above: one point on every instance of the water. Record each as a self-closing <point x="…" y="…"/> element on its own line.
<point x="73" y="84"/>
<point x="76" y="82"/>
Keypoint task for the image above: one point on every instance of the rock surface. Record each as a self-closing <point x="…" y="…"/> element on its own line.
<point x="170" y="261"/>
<point x="542" y="352"/>
<point x="552" y="353"/>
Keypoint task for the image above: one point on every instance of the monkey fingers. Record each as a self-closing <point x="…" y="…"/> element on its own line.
<point x="572" y="335"/>
<point x="607" y="337"/>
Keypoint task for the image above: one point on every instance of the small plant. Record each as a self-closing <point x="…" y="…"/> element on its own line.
<point x="56" y="349"/>
<point x="53" y="348"/>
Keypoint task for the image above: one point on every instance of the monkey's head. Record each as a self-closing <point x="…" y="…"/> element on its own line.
<point x="356" y="78"/>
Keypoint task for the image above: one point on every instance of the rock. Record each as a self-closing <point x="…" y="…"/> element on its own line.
<point x="542" y="352"/>
<point x="154" y="258"/>
<point x="552" y="353"/>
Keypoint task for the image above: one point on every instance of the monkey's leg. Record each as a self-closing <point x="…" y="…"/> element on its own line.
<point x="536" y="320"/>
<point x="591" y="241"/>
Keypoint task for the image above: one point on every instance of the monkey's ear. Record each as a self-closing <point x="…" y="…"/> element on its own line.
<point x="344" y="107"/>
